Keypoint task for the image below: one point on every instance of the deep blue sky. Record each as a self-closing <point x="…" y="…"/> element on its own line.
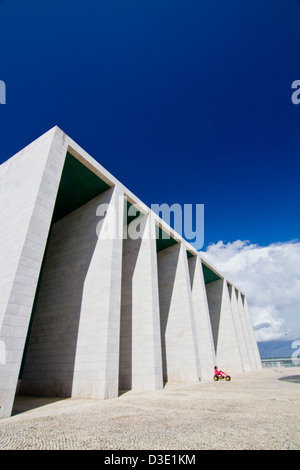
<point x="183" y="101"/>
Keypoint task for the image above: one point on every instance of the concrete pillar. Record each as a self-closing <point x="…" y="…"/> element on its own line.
<point x="140" y="339"/>
<point x="239" y="329"/>
<point x="29" y="184"/>
<point x="255" y="350"/>
<point x="202" y="319"/>
<point x="96" y="370"/>
<point x="225" y="339"/>
<point x="246" y="331"/>
<point x="178" y="330"/>
<point x="63" y="346"/>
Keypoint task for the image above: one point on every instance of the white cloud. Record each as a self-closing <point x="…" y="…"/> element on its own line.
<point x="270" y="278"/>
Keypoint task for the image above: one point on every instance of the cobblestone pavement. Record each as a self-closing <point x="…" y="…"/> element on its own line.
<point x="253" y="411"/>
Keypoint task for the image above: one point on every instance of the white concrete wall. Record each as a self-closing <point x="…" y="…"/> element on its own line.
<point x="140" y="339"/>
<point x="255" y="350"/>
<point x="28" y="187"/>
<point x="224" y="333"/>
<point x="180" y="350"/>
<point x="54" y="337"/>
<point x="202" y="319"/>
<point x="239" y="330"/>
<point x="246" y="331"/>
<point x="96" y="373"/>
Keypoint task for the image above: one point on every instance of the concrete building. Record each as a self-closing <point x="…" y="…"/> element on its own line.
<point x="84" y="314"/>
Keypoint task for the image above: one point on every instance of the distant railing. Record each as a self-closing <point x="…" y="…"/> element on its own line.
<point x="278" y="362"/>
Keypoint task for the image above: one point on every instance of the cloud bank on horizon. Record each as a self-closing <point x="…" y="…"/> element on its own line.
<point x="270" y="277"/>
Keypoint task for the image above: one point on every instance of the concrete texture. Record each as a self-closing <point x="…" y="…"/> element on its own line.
<point x="228" y="353"/>
<point x="245" y="329"/>
<point x="207" y="356"/>
<point x="29" y="184"/>
<point x="255" y="351"/>
<point x="140" y="349"/>
<point x="96" y="366"/>
<point x="239" y="329"/>
<point x="180" y="350"/>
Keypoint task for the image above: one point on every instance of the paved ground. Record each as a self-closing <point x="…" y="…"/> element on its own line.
<point x="253" y="411"/>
